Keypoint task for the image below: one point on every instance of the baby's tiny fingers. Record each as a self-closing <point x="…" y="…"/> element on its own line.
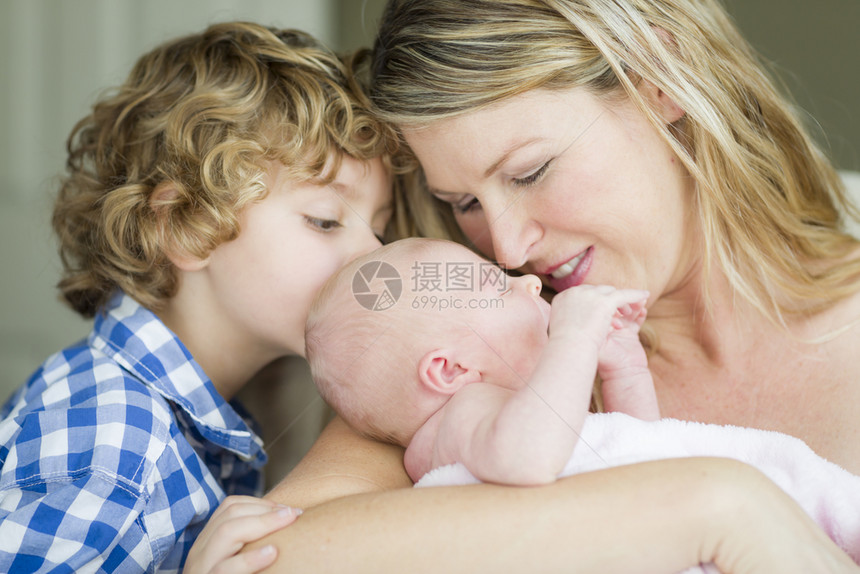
<point x="639" y="295"/>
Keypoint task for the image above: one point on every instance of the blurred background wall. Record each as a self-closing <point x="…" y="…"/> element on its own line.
<point x="814" y="47"/>
<point x="58" y="55"/>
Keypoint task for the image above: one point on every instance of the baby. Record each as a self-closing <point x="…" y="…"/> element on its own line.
<point x="482" y="380"/>
<point x="472" y="365"/>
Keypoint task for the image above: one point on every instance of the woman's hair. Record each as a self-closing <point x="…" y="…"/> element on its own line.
<point x="203" y="115"/>
<point x="770" y="203"/>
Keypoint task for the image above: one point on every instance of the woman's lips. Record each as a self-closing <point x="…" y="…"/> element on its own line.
<point x="566" y="269"/>
<point x="572" y="272"/>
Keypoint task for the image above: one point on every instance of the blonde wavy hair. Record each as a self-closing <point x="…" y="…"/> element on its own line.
<point x="205" y="114"/>
<point x="770" y="203"/>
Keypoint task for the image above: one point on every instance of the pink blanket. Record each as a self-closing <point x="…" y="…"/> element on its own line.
<point x="830" y="494"/>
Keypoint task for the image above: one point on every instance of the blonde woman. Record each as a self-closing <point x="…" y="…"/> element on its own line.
<point x="636" y="143"/>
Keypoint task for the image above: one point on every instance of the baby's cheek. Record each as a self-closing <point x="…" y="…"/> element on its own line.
<point x="526" y="358"/>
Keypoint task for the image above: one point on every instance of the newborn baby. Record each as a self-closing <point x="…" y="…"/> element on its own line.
<point x="493" y="378"/>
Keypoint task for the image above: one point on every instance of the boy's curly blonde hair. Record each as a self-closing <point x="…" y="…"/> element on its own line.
<point x="203" y="114"/>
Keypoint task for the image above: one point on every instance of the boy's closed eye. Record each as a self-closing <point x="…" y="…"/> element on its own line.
<point x="322" y="224"/>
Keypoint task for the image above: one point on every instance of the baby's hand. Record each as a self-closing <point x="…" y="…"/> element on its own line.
<point x="236" y="522"/>
<point x="630" y="316"/>
<point x="622" y="352"/>
<point x="595" y="311"/>
<point x="623" y="365"/>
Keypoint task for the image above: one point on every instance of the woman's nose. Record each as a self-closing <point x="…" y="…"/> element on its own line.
<point x="513" y="233"/>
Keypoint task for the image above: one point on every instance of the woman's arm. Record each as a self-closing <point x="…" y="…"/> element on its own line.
<point x="341" y="463"/>
<point x="654" y="517"/>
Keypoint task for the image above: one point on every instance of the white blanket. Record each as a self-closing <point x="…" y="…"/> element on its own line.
<point x="830" y="494"/>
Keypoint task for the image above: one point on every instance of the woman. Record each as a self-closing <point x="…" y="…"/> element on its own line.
<point x="635" y="143"/>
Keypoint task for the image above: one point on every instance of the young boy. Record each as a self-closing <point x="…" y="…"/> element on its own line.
<point x="206" y="201"/>
<point x="456" y="380"/>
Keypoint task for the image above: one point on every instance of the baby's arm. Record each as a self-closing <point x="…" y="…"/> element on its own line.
<point x="526" y="436"/>
<point x="627" y="384"/>
<point x="461" y="431"/>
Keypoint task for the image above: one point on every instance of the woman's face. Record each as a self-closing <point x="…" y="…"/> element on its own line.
<point x="567" y="186"/>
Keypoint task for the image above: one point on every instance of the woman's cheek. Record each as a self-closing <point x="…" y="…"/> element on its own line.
<point x="475" y="228"/>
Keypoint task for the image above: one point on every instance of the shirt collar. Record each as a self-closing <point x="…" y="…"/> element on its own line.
<point x="136" y="338"/>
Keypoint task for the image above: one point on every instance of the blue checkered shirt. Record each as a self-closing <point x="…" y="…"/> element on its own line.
<point x="116" y="452"/>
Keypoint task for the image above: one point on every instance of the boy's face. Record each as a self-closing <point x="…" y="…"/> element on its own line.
<point x="290" y="242"/>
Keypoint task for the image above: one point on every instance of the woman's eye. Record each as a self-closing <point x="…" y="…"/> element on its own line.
<point x="325" y="225"/>
<point x="466" y="205"/>
<point x="533" y="178"/>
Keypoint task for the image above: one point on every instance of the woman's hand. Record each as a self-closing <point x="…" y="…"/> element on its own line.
<point x="237" y="521"/>
<point x="764" y="530"/>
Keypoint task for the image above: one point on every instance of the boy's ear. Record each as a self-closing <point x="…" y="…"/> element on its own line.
<point x="439" y="372"/>
<point x="161" y="197"/>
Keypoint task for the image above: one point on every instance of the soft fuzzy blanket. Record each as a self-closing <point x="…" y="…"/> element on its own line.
<point x="830" y="494"/>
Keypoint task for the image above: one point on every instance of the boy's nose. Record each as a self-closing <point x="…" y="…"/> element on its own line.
<point x="367" y="243"/>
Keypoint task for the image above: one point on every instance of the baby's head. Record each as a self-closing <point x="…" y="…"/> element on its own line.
<point x="395" y="333"/>
<point x="363" y="351"/>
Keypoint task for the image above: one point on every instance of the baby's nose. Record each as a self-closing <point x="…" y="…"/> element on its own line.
<point x="532" y="284"/>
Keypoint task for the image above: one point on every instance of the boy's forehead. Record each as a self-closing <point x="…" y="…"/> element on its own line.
<point x="358" y="179"/>
<point x="342" y="169"/>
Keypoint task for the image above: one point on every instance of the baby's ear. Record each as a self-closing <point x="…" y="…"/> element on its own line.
<point x="440" y="372"/>
<point x="162" y="196"/>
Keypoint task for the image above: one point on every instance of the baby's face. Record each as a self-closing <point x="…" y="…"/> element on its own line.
<point x="505" y="316"/>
